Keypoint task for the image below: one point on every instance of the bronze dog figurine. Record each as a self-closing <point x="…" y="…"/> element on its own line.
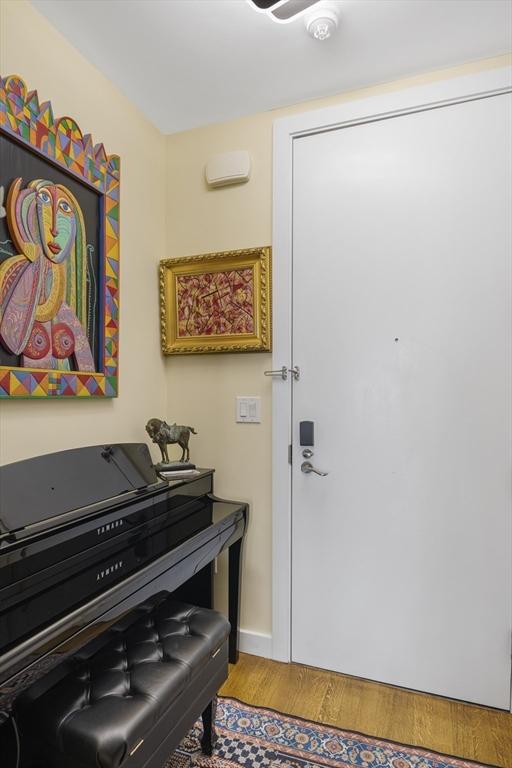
<point x="164" y="434"/>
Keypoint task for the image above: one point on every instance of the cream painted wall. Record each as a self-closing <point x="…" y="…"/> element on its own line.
<point x="201" y="390"/>
<point x="32" y="48"/>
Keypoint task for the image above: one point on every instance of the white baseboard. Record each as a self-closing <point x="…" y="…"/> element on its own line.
<point x="256" y="643"/>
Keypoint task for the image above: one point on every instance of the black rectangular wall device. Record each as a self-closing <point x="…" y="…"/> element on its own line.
<point x="307" y="432"/>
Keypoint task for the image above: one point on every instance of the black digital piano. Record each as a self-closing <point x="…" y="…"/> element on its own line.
<point x="86" y="535"/>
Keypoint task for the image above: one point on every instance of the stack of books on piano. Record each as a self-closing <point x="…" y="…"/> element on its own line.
<point x="176" y="471"/>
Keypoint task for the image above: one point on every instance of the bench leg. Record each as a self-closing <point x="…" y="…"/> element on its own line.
<point x="209" y="735"/>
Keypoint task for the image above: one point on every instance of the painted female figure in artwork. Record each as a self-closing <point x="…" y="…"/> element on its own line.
<point x="43" y="290"/>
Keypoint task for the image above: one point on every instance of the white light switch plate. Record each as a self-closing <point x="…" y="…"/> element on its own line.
<point x="248" y="410"/>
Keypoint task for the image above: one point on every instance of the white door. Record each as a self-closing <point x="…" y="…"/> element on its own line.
<point x="401" y="556"/>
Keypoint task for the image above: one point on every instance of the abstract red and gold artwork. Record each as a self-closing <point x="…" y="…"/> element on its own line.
<point x="217" y="302"/>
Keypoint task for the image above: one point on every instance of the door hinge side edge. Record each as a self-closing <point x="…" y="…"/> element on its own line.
<point x="289" y="454"/>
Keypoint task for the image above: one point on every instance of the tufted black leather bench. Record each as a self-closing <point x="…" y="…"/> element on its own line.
<point x="129" y="697"/>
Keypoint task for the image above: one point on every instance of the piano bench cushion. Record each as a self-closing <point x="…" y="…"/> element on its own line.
<point x="97" y="714"/>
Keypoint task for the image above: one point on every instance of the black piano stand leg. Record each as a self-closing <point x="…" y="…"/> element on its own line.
<point x="209" y="733"/>
<point x="235" y="552"/>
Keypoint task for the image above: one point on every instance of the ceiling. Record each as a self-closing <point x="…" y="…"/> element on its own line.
<point x="187" y="63"/>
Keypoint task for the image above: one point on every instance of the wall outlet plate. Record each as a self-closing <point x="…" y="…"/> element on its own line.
<point x="248" y="410"/>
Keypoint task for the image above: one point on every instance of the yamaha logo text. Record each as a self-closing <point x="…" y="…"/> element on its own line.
<point x="110" y="570"/>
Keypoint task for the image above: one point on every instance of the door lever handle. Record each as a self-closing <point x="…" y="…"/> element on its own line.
<point x="307" y="468"/>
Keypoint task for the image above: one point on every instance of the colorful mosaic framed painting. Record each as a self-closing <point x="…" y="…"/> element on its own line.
<point x="59" y="254"/>
<point x="216" y="302"/>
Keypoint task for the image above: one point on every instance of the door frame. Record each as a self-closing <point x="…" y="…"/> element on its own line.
<point x="471" y="87"/>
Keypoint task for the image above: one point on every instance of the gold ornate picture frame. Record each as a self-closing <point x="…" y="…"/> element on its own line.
<point x="216" y="302"/>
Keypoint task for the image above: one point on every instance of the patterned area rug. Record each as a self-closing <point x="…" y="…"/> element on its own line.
<point x="252" y="737"/>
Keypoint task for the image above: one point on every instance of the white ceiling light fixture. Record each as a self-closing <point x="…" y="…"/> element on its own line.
<point x="282" y="11"/>
<point x="321" y="23"/>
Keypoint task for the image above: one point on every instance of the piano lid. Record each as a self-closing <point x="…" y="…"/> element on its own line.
<point x="45" y="487"/>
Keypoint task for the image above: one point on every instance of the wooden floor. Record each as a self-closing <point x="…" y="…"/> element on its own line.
<point x="468" y="731"/>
